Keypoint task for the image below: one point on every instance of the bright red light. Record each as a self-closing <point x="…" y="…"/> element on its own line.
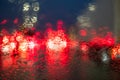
<point x="17" y="43"/>
<point x="5" y="49"/>
<point x="110" y="42"/>
<point x="8" y="44"/>
<point x="102" y="41"/>
<point x="56" y="44"/>
<point x="19" y="38"/>
<point x="12" y="45"/>
<point x="56" y="41"/>
<point x="31" y="45"/>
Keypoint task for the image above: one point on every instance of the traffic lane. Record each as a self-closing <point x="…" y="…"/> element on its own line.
<point x="76" y="66"/>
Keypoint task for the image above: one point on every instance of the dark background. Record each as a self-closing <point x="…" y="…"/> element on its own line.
<point x="50" y="10"/>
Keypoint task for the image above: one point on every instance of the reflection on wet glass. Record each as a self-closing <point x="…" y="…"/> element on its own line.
<point x="80" y="52"/>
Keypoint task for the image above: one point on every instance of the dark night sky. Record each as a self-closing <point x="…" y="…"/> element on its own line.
<point x="50" y="10"/>
<point x="66" y="10"/>
<point x="63" y="9"/>
<point x="50" y="7"/>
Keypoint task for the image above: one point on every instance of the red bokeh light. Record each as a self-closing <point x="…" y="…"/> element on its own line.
<point x="20" y="45"/>
<point x="84" y="47"/>
<point x="56" y="40"/>
<point x="102" y="41"/>
<point x="3" y="22"/>
<point x="56" y="44"/>
<point x="5" y="39"/>
<point x="83" y="32"/>
<point x="16" y="21"/>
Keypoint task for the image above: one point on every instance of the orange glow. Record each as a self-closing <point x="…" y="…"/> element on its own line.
<point x="115" y="51"/>
<point x="23" y="46"/>
<point x="19" y="38"/>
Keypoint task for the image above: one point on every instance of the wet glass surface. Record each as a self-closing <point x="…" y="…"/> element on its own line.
<point x="67" y="66"/>
<point x="59" y="40"/>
